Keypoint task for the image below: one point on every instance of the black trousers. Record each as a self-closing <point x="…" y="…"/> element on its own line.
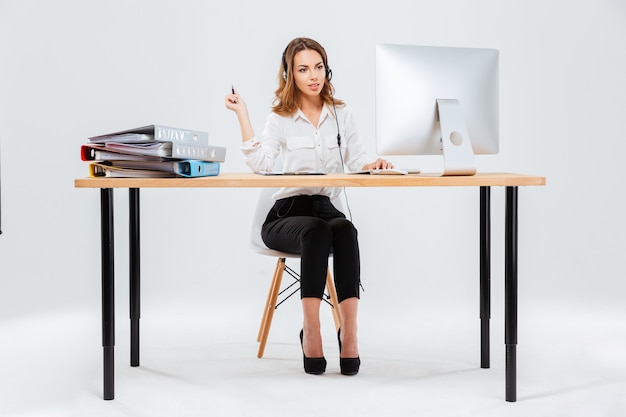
<point x="312" y="227"/>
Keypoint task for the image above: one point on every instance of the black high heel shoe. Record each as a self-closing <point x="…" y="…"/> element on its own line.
<point x="349" y="366"/>
<point x="314" y="366"/>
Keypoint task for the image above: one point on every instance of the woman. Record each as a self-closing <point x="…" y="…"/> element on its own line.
<point x="308" y="130"/>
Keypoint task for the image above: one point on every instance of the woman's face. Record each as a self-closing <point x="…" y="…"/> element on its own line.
<point x="309" y="72"/>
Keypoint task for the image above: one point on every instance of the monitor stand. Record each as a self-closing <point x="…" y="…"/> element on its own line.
<point x="458" y="155"/>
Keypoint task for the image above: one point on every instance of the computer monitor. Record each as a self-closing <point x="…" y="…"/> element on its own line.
<point x="437" y="101"/>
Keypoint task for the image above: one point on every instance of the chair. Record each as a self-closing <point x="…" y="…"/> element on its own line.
<point x="264" y="204"/>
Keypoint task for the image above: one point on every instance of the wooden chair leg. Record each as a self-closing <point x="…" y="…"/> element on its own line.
<point x="330" y="285"/>
<point x="270" y="306"/>
<point x="279" y="264"/>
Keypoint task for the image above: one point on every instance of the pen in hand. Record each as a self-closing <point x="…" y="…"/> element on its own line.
<point x="232" y="88"/>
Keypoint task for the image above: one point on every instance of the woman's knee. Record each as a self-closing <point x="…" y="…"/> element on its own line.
<point x="318" y="231"/>
<point x="343" y="228"/>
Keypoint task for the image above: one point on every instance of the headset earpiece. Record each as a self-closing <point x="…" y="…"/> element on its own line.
<point x="285" y="64"/>
<point x="329" y="74"/>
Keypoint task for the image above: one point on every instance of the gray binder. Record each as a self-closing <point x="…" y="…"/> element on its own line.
<point x="155" y="133"/>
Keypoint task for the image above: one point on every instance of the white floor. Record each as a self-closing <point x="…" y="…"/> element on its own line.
<point x="200" y="360"/>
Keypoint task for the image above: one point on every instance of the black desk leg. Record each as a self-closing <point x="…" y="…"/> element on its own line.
<point x="485" y="274"/>
<point x="134" y="273"/>
<point x="108" y="290"/>
<point x="510" y="290"/>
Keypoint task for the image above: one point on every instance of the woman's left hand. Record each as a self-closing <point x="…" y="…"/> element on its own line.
<point x="378" y="164"/>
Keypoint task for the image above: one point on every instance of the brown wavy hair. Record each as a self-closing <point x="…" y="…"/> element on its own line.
<point x="287" y="96"/>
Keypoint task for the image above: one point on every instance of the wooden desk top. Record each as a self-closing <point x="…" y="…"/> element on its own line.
<point x="250" y="180"/>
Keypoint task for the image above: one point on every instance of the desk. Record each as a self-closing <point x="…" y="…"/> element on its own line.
<point x="484" y="181"/>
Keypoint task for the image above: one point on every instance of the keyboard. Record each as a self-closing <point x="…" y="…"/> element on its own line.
<point x="390" y="171"/>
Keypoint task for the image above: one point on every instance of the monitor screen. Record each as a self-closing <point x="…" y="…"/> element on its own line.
<point x="0" y="192"/>
<point x="413" y="83"/>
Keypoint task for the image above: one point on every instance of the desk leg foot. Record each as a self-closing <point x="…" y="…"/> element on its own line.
<point x="134" y="348"/>
<point x="511" y="373"/>
<point x="109" y="373"/>
<point x="484" y="344"/>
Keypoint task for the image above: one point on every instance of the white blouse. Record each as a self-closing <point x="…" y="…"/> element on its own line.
<point x="293" y="143"/>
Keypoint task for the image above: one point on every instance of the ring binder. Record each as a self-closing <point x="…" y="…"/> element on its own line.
<point x="153" y="151"/>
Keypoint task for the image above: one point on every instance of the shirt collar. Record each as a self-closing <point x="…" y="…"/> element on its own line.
<point x="326" y="112"/>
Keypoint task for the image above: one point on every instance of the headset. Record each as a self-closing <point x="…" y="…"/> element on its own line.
<point x="329" y="72"/>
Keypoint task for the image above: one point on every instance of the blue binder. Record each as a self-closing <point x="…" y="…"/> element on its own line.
<point x="193" y="168"/>
<point x="165" y="168"/>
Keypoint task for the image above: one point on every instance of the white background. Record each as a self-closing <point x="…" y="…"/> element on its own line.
<point x="73" y="69"/>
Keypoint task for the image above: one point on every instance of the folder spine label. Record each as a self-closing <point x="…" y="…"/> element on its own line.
<point x="203" y="153"/>
<point x="175" y="135"/>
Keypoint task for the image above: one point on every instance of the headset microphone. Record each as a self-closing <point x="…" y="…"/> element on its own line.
<point x="336" y="121"/>
<point x="338" y="132"/>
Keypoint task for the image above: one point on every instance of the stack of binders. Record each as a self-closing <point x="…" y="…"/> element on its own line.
<point x="153" y="151"/>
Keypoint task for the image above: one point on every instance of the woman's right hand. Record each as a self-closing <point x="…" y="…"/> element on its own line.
<point x="235" y="103"/>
